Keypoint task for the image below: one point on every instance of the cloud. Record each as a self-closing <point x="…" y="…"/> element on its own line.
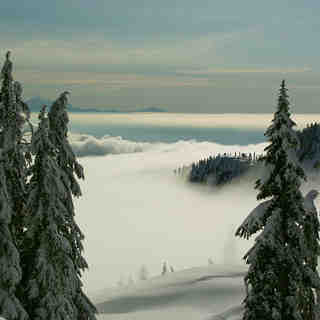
<point x="248" y="70"/>
<point x="87" y="145"/>
<point x="177" y="54"/>
<point x="160" y="33"/>
<point x="109" y="80"/>
<point x="124" y="19"/>
<point x="250" y="121"/>
<point x="95" y="52"/>
<point x="135" y="211"/>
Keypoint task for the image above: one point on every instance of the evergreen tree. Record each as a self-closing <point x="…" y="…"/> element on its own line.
<point x="143" y="273"/>
<point x="50" y="278"/>
<point x="311" y="233"/>
<point x="13" y="149"/>
<point x="164" y="268"/>
<point x="281" y="274"/>
<point x="12" y="192"/>
<point x="130" y="281"/>
<point x="67" y="162"/>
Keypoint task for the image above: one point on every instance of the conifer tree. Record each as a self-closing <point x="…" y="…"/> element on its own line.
<point x="12" y="195"/>
<point x="281" y="275"/>
<point x="12" y="145"/>
<point x="50" y="277"/>
<point x="164" y="268"/>
<point x="143" y="273"/>
<point x="70" y="168"/>
<point x="311" y="230"/>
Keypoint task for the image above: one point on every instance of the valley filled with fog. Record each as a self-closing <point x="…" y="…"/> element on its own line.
<point x="136" y="212"/>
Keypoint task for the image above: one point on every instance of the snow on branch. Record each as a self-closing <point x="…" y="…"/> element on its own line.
<point x="256" y="218"/>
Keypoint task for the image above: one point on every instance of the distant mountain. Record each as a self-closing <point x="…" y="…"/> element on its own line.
<point x="151" y="109"/>
<point x="35" y="104"/>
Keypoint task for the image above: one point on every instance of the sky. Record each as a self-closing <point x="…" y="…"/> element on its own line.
<point x="203" y="56"/>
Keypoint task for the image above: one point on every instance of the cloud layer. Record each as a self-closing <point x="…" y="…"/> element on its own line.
<point x="87" y="145"/>
<point x="135" y="211"/>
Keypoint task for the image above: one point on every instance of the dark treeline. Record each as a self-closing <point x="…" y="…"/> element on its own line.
<point x="219" y="169"/>
<point x="309" y="149"/>
<point x="222" y="168"/>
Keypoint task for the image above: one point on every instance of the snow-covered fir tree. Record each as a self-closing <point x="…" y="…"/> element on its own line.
<point x="70" y="168"/>
<point x="50" y="277"/>
<point x="12" y="195"/>
<point x="282" y="274"/>
<point x="143" y="273"/>
<point x="164" y="268"/>
<point x="311" y="233"/>
<point x="12" y="144"/>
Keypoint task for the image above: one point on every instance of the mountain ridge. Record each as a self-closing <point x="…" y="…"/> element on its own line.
<point x="35" y="104"/>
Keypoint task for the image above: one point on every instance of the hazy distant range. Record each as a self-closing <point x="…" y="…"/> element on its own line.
<point x="36" y="103"/>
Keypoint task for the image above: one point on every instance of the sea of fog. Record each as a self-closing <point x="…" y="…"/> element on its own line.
<point x="226" y="129"/>
<point x="135" y="211"/>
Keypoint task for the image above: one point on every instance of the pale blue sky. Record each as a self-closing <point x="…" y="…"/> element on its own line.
<point x="181" y="55"/>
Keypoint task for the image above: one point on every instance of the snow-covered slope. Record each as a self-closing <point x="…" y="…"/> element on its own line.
<point x="209" y="293"/>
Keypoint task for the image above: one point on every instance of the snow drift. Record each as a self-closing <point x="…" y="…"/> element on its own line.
<point x="210" y="293"/>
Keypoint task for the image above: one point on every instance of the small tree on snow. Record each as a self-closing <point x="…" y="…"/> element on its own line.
<point x="164" y="268"/>
<point x="130" y="281"/>
<point x="121" y="282"/>
<point x="281" y="274"/>
<point x="143" y="273"/>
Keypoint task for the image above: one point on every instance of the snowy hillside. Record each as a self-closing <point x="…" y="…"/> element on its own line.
<point x="206" y="293"/>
